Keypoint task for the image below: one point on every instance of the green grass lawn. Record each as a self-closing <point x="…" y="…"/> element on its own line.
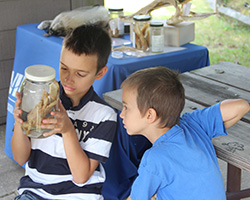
<point x="226" y="39"/>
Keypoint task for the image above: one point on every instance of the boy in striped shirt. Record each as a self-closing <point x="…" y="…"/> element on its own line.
<point x="66" y="163"/>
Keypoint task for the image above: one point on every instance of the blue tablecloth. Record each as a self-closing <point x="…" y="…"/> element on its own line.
<point x="32" y="47"/>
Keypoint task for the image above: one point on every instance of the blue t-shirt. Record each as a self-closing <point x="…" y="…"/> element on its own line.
<point x="182" y="163"/>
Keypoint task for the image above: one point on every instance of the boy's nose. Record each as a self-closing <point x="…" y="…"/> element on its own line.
<point x="68" y="77"/>
<point x="121" y="114"/>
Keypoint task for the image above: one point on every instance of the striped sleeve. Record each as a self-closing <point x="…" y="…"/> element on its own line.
<point x="96" y="124"/>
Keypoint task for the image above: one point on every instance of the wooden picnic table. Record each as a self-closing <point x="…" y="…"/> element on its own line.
<point x="205" y="87"/>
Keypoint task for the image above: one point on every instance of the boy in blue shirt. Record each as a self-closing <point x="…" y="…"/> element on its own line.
<point x="67" y="164"/>
<point x="182" y="162"/>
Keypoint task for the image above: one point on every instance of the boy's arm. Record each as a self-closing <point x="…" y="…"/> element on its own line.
<point x="81" y="166"/>
<point x="20" y="143"/>
<point x="232" y="110"/>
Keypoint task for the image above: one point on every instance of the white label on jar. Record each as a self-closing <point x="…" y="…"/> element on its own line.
<point x="157" y="43"/>
<point x="133" y="34"/>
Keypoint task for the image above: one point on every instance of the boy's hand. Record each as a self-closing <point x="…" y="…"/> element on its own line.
<point x="17" y="110"/>
<point x="61" y="123"/>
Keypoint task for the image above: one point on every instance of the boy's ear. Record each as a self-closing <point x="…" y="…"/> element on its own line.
<point x="151" y="115"/>
<point x="101" y="73"/>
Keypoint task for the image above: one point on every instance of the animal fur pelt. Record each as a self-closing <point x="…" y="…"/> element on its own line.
<point x="68" y="20"/>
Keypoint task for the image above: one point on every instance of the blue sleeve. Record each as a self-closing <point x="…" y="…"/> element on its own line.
<point x="151" y="176"/>
<point x="209" y="119"/>
<point x="145" y="185"/>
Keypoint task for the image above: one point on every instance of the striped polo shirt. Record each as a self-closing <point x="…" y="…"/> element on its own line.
<point x="47" y="172"/>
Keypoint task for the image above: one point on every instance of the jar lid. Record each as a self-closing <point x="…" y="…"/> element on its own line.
<point x="115" y="9"/>
<point x="40" y="73"/>
<point x="141" y="17"/>
<point x="156" y="24"/>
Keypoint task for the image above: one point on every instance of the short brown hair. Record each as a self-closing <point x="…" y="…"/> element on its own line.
<point x="90" y="39"/>
<point x="158" y="88"/>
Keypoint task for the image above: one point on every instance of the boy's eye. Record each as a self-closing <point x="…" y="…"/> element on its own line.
<point x="81" y="75"/>
<point x="63" y="68"/>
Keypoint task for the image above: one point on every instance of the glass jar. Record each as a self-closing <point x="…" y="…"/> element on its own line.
<point x="141" y="34"/>
<point x="39" y="96"/>
<point x="115" y="23"/>
<point x="156" y="37"/>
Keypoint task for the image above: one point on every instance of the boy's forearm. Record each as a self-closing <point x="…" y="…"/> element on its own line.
<point x="20" y="145"/>
<point x="232" y="110"/>
<point x="80" y="165"/>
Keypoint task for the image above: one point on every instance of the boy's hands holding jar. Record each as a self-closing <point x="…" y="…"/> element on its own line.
<point x="59" y="122"/>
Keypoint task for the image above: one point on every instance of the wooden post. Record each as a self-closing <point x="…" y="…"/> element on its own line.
<point x="233" y="180"/>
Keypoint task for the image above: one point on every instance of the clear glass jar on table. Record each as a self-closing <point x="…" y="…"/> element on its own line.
<point x="156" y="37"/>
<point x="115" y="23"/>
<point x="141" y="33"/>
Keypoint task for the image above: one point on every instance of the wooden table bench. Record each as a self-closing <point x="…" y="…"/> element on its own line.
<point x="205" y="87"/>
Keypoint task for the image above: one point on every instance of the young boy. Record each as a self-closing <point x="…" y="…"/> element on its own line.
<point x="182" y="162"/>
<point x="67" y="164"/>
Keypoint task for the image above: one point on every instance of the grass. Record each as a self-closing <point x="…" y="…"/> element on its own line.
<point x="236" y="5"/>
<point x="226" y="39"/>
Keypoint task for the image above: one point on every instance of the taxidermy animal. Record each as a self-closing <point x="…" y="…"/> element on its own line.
<point x="66" y="21"/>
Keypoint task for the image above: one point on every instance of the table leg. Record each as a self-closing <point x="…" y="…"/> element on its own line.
<point x="233" y="180"/>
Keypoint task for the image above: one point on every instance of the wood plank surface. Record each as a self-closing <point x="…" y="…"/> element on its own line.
<point x="114" y="98"/>
<point x="232" y="74"/>
<point x="207" y="92"/>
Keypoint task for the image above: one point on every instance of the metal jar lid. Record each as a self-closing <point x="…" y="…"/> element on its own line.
<point x="40" y="73"/>
<point x="156" y="24"/>
<point x="115" y="9"/>
<point x="141" y="17"/>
